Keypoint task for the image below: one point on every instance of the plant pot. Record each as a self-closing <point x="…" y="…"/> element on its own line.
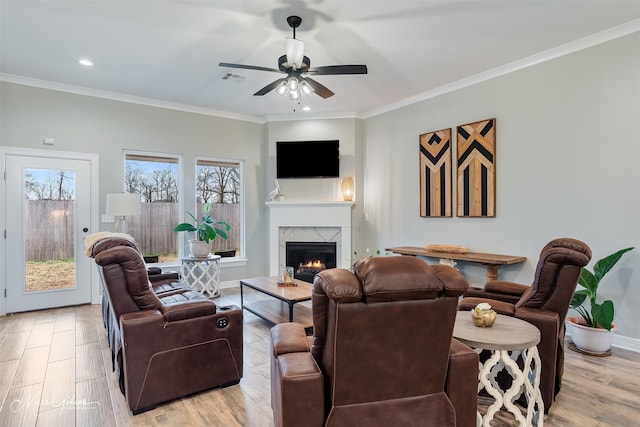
<point x="199" y="248"/>
<point x="593" y="340"/>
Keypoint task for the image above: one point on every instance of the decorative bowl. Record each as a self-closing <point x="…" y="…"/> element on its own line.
<point x="483" y="319"/>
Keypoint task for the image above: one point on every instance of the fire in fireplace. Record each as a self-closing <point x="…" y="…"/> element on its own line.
<point x="310" y="258"/>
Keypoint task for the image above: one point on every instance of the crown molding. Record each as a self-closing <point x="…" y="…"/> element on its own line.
<point x="44" y="84"/>
<point x="565" y="49"/>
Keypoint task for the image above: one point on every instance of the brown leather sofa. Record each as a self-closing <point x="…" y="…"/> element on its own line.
<point x="544" y="303"/>
<point x="382" y="352"/>
<point x="167" y="340"/>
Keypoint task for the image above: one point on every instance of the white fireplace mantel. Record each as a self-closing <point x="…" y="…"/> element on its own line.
<point x="309" y="214"/>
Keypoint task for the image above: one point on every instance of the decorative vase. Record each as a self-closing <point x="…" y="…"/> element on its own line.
<point x="484" y="319"/>
<point x="592" y="340"/>
<point x="199" y="248"/>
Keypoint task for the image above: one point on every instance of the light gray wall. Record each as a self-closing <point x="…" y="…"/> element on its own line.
<point x="106" y="127"/>
<point x="567" y="165"/>
<point x="312" y="189"/>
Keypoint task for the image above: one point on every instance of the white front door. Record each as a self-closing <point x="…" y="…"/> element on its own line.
<point x="48" y="212"/>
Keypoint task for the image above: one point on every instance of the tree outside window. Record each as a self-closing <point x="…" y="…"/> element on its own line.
<point x="218" y="182"/>
<point x="156" y="179"/>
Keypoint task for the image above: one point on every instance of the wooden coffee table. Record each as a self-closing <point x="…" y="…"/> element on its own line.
<point x="277" y="304"/>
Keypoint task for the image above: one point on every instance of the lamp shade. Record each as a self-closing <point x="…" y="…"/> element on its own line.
<point x="347" y="189"/>
<point x="294" y="50"/>
<point x="123" y="204"/>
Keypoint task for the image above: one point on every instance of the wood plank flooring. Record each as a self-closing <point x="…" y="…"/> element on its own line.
<point x="55" y="370"/>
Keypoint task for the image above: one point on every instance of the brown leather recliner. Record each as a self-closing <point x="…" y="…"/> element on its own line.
<point x="166" y="344"/>
<point x="161" y="284"/>
<point x="382" y="351"/>
<point x="544" y="304"/>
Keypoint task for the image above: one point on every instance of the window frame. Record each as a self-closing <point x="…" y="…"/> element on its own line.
<point x="242" y="258"/>
<point x="180" y="187"/>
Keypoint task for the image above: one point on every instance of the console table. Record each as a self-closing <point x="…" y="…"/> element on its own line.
<point x="491" y="261"/>
<point x="508" y="340"/>
<point x="202" y="274"/>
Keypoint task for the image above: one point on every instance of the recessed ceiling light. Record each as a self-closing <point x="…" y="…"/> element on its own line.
<point x="86" y="62"/>
<point x="306" y="108"/>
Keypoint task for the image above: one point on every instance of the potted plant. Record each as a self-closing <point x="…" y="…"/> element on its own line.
<point x="593" y="330"/>
<point x="206" y="230"/>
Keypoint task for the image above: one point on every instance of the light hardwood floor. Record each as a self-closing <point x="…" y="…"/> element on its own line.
<point x="55" y="370"/>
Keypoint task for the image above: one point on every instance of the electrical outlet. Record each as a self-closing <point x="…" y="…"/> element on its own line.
<point x="108" y="218"/>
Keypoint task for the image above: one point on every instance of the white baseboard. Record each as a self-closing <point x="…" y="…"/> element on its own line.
<point x="230" y="284"/>
<point x="632" y="344"/>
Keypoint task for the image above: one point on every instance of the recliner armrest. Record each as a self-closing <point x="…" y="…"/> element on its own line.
<point x="500" y="307"/>
<point x="288" y="338"/>
<point x="462" y="383"/>
<point x="508" y="288"/>
<point x="157" y="279"/>
<point x="187" y="310"/>
<point x="297" y="384"/>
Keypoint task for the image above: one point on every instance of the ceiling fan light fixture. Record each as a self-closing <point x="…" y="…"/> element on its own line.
<point x="282" y="89"/>
<point x="294" y="50"/>
<point x="305" y="88"/>
<point x="292" y="84"/>
<point x="296" y="67"/>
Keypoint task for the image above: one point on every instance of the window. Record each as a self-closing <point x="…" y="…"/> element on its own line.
<point x="219" y="183"/>
<point x="156" y="178"/>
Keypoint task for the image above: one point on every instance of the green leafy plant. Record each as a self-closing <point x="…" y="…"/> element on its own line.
<point x="600" y="315"/>
<point x="207" y="229"/>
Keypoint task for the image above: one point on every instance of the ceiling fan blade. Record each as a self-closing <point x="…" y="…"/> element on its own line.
<point x="338" y="69"/>
<point x="268" y="88"/>
<point x="318" y="88"/>
<point x="248" y="67"/>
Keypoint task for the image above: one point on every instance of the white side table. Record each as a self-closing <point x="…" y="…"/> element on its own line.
<point x="508" y="339"/>
<point x="202" y="274"/>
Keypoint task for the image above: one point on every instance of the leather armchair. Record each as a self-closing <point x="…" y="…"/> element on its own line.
<point x="382" y="352"/>
<point x="544" y="303"/>
<point x="165" y="344"/>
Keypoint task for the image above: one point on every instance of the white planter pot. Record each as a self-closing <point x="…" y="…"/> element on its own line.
<point x="199" y="248"/>
<point x="594" y="340"/>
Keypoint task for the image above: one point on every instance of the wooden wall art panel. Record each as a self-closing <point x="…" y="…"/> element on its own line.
<point x="476" y="153"/>
<point x="435" y="174"/>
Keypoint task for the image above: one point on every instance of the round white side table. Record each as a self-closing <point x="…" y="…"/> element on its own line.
<point x="508" y="339"/>
<point x="202" y="274"/>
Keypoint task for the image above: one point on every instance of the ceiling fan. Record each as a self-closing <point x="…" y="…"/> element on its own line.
<point x="297" y="67"/>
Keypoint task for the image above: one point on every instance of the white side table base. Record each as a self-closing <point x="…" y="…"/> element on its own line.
<point x="525" y="381"/>
<point x="202" y="275"/>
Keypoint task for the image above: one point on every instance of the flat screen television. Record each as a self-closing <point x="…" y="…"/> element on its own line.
<point x="308" y="159"/>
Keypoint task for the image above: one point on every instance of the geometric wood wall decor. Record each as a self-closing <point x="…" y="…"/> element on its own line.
<point x="435" y="174"/>
<point x="476" y="153"/>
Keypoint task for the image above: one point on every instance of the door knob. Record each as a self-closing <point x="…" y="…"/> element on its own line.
<point x="85" y="229"/>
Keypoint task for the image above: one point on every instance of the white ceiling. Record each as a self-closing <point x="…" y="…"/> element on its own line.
<point x="167" y="52"/>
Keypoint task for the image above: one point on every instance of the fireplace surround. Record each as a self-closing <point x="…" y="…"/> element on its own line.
<point x="309" y="221"/>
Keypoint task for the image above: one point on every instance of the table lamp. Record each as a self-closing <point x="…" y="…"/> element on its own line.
<point x="121" y="204"/>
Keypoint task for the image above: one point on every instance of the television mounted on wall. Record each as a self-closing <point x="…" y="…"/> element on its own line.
<point x="308" y="159"/>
